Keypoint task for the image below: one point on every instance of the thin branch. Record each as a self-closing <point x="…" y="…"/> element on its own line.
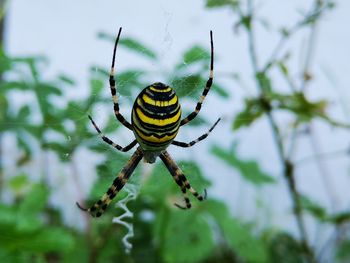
<point x="252" y="41"/>
<point x="314" y="157"/>
<point x="286" y="35"/>
<point x="2" y="35"/>
<point x="75" y="176"/>
<point x="288" y="168"/>
<point x="316" y="11"/>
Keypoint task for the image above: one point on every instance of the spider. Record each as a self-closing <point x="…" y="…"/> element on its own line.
<point x="155" y="122"/>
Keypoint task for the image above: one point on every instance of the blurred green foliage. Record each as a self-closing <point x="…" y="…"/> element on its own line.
<point x="33" y="231"/>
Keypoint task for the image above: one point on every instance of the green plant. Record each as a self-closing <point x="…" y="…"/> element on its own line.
<point x="269" y="101"/>
<point x="31" y="230"/>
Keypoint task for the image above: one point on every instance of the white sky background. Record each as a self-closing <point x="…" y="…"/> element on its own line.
<point x="65" y="31"/>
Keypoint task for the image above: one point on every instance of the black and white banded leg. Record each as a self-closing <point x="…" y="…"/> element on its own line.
<point x="112" y="84"/>
<point x="100" y="206"/>
<point x="180" y="179"/>
<point x="202" y="137"/>
<point x="193" y="114"/>
<point x="110" y="142"/>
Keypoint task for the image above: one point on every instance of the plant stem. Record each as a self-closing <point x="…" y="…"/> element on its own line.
<point x="288" y="172"/>
<point x="323" y="169"/>
<point x="2" y="35"/>
<point x="1" y="166"/>
<point x="288" y="168"/>
<point x="75" y="177"/>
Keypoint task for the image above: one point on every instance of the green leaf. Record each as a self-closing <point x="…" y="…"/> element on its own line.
<point x="193" y="55"/>
<point x="46" y="89"/>
<point x="66" y="79"/>
<point x="11" y="85"/>
<point x="25" y="145"/>
<point x="21" y="221"/>
<point x="320" y="213"/>
<point x="339" y="218"/>
<point x="112" y="125"/>
<point x="23" y="113"/>
<point x="189" y="86"/>
<point x="159" y="185"/>
<point x="128" y="81"/>
<point x="35" y="130"/>
<point x="221" y="91"/>
<point x="313" y="208"/>
<point x="284" y="248"/>
<point x="99" y="72"/>
<point x="343" y="251"/>
<point x="28" y="209"/>
<point x="297" y="103"/>
<point x="221" y="3"/>
<point x="5" y="61"/>
<point x="192" y="86"/>
<point x="51" y="239"/>
<point x="195" y="242"/>
<point x="131" y="44"/>
<point x="198" y="121"/>
<point x="4" y="106"/>
<point x="108" y="170"/>
<point x="96" y="86"/>
<point x="194" y="175"/>
<point x="8" y="216"/>
<point x="253" y="110"/>
<point x="138" y="47"/>
<point x="80" y="252"/>
<point x="264" y="82"/>
<point x="162" y="189"/>
<point x="19" y="183"/>
<point x="249" y="169"/>
<point x="238" y="235"/>
<point x="246" y="21"/>
<point x="282" y="66"/>
<point x="36" y="200"/>
<point x="75" y="111"/>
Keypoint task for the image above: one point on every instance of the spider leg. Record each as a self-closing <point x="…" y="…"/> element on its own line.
<point x="110" y="142"/>
<point x="100" y="206"/>
<point x="202" y="137"/>
<point x="112" y="84"/>
<point x="193" y="114"/>
<point x="80" y="207"/>
<point x="184" y="194"/>
<point x="179" y="178"/>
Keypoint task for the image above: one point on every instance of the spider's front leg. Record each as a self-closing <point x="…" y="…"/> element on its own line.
<point x="208" y="85"/>
<point x="110" y="142"/>
<point x="112" y="84"/>
<point x="100" y="206"/>
<point x="200" y="138"/>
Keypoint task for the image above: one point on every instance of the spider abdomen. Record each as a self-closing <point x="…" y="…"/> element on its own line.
<point x="156" y="116"/>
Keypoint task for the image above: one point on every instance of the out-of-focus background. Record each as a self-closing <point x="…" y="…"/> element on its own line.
<point x="276" y="168"/>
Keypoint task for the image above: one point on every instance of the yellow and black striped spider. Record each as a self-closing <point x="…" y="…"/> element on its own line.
<point x="155" y="122"/>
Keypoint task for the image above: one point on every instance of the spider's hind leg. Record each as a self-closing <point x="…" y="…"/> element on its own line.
<point x="100" y="206"/>
<point x="180" y="179"/>
<point x="81" y="208"/>
<point x="183" y="190"/>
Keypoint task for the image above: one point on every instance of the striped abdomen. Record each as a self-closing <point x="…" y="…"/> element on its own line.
<point x="156" y="117"/>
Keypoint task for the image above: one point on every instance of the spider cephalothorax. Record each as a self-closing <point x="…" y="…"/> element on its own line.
<point x="155" y="122"/>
